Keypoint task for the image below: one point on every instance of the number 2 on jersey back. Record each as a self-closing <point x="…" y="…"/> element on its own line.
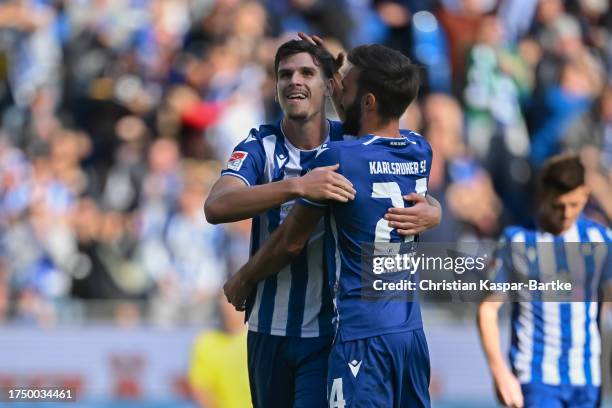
<point x="391" y="190"/>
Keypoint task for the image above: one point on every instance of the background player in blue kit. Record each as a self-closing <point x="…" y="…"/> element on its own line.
<point x="556" y="346"/>
<point x="290" y="314"/>
<point x="380" y="357"/>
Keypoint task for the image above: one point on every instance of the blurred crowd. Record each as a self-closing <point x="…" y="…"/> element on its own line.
<point x="116" y="117"/>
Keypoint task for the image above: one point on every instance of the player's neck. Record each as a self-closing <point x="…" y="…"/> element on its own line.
<point x="307" y="134"/>
<point x="552" y="228"/>
<point x="375" y="126"/>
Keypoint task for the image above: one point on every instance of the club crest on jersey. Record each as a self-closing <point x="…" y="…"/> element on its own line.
<point x="236" y="160"/>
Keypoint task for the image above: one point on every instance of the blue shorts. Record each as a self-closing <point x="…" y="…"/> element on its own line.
<point x="560" y="396"/>
<point x="287" y="372"/>
<point x="386" y="371"/>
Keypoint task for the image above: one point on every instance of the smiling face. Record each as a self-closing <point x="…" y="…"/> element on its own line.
<point x="300" y="87"/>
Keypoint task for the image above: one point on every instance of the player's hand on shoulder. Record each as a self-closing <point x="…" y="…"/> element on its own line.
<point x="237" y="290"/>
<point x="323" y="183"/>
<point x="508" y="388"/>
<point x="416" y="219"/>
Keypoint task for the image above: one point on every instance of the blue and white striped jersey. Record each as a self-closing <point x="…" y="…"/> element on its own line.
<point x="382" y="170"/>
<point x="297" y="301"/>
<point x="557" y="343"/>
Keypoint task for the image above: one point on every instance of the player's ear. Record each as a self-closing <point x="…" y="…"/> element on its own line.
<point x="370" y="101"/>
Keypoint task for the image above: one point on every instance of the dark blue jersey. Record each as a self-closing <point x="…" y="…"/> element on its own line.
<point x="382" y="170"/>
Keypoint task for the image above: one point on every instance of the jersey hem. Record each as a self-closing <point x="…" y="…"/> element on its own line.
<point x="283" y="333"/>
<point x="561" y="384"/>
<point x="308" y="203"/>
<point x="391" y="330"/>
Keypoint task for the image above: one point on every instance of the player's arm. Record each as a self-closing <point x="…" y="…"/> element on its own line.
<point x="507" y="386"/>
<point x="231" y="199"/>
<point x="238" y="195"/>
<point x="278" y="251"/>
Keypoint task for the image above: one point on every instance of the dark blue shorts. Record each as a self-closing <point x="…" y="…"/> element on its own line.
<point x="387" y="371"/>
<point x="560" y="396"/>
<point x="286" y="372"/>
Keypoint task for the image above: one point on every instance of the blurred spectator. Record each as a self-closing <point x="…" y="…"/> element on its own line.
<point x="460" y="20"/>
<point x="430" y="49"/>
<point x="122" y="188"/>
<point x="460" y="184"/>
<point x="497" y="80"/>
<point x="591" y="136"/>
<point x="191" y="270"/>
<point x="32" y="49"/>
<point x="218" y="375"/>
<point x="516" y="17"/>
<point x="95" y="266"/>
<point x="579" y="85"/>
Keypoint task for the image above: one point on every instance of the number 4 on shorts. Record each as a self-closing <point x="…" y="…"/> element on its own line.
<point x="336" y="398"/>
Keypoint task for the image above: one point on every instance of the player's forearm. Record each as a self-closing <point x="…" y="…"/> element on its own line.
<point x="438" y="214"/>
<point x="282" y="247"/>
<point x="432" y="201"/>
<point x="489" y="335"/>
<point x="269" y="260"/>
<point x="240" y="203"/>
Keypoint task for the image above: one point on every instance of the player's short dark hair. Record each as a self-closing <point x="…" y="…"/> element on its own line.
<point x="389" y="75"/>
<point x="561" y="174"/>
<point x="321" y="57"/>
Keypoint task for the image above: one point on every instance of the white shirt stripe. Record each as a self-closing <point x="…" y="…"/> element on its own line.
<point x="522" y="361"/>
<point x="315" y="284"/>
<point x="281" y="302"/>
<point x="576" y="352"/>
<point x="550" y="310"/>
<point x="599" y="256"/>
<point x="595" y="346"/>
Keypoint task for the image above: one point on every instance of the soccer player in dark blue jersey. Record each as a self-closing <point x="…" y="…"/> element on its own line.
<point x="290" y="314"/>
<point x="555" y="350"/>
<point x="379" y="357"/>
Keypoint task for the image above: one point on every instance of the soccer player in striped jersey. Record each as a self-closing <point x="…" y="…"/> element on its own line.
<point x="556" y="346"/>
<point x="290" y="314"/>
<point x="379" y="357"/>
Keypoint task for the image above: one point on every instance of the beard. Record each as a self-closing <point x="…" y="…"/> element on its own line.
<point x="352" y="118"/>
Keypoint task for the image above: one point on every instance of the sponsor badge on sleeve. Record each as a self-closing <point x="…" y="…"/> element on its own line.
<point x="236" y="160"/>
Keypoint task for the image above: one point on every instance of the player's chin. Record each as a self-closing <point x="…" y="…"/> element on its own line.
<point x="296" y="115"/>
<point x="567" y="224"/>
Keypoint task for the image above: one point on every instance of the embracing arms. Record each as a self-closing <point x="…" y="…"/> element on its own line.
<point x="230" y="199"/>
<point x="278" y="251"/>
